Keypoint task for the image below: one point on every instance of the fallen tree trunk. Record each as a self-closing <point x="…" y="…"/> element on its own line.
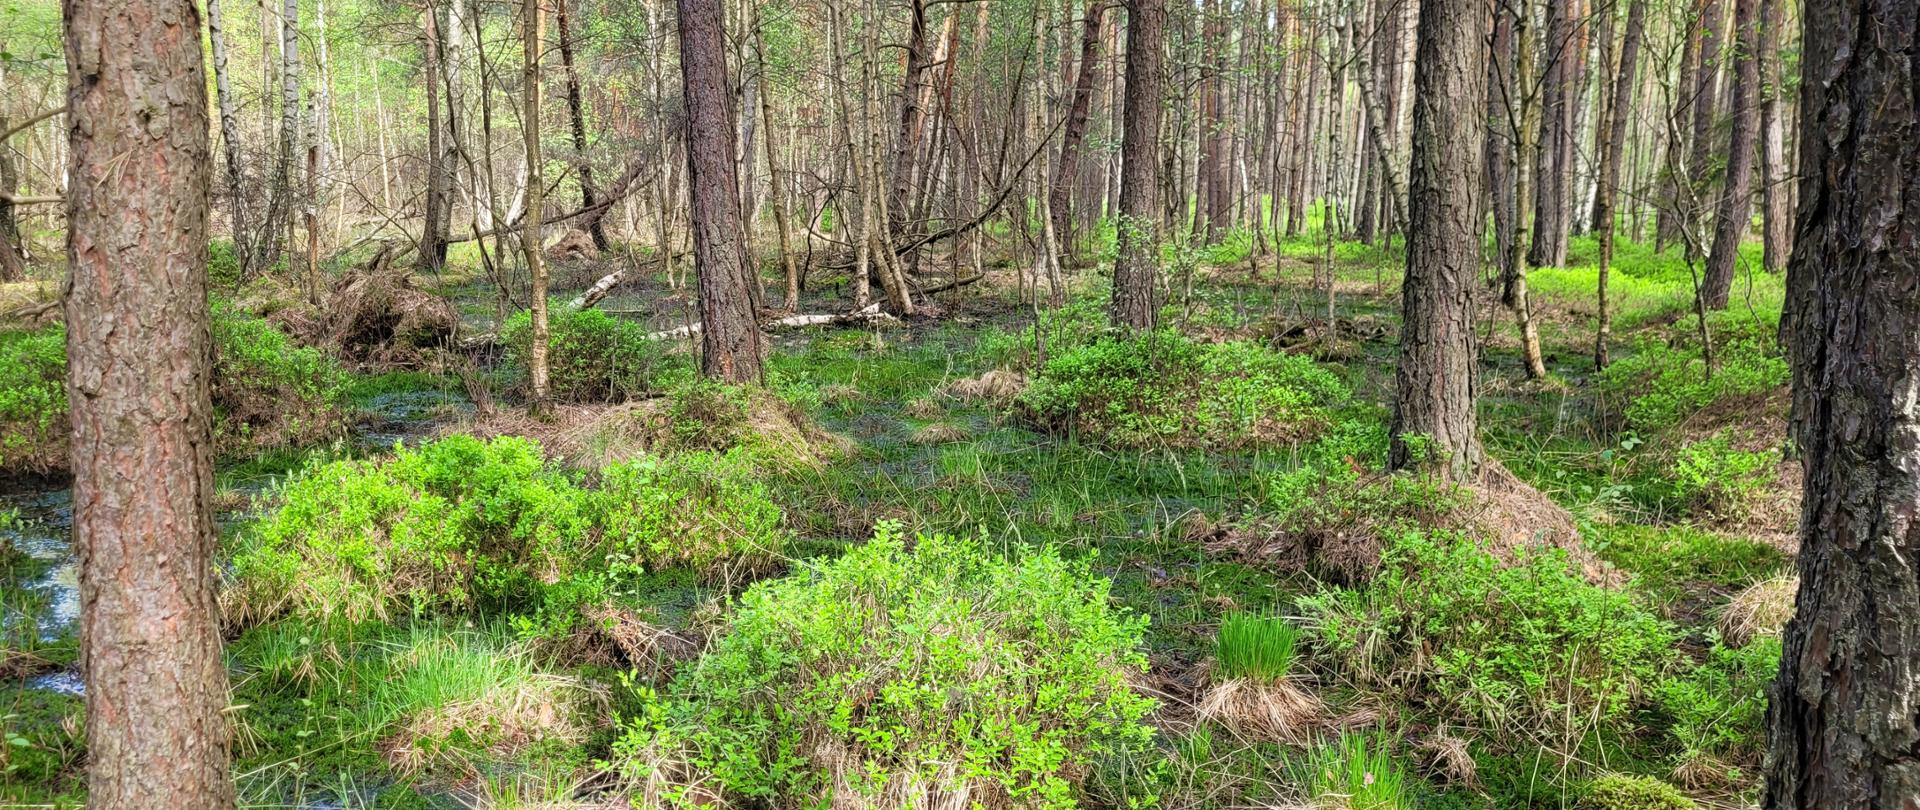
<point x="602" y="288"/>
<point x="866" y="314"/>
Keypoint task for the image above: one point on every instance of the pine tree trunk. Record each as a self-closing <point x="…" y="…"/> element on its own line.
<point x="1437" y="380"/>
<point x="1777" y="215"/>
<point x="1553" y="164"/>
<point x="229" y="135"/>
<point x="138" y="357"/>
<point x="438" y="210"/>
<point x="1706" y="108"/>
<point x="730" y="339"/>
<point x="1136" y="270"/>
<point x="1735" y="207"/>
<point x="1060" y="198"/>
<point x="1841" y="722"/>
<point x="13" y="265"/>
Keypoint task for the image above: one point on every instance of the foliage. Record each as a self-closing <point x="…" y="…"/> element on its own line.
<point x="33" y="398"/>
<point x="1711" y="476"/>
<point x="1618" y="791"/>
<point x="1256" y="647"/>
<point x="944" y="670"/>
<point x="591" y="356"/>
<point x="1520" y="647"/>
<point x="697" y="509"/>
<point x="706" y="414"/>
<point x="269" y="391"/>
<point x="1665" y="383"/>
<point x="1358" y="772"/>
<point x="1718" y="708"/>
<point x="462" y="524"/>
<point x="1167" y="389"/>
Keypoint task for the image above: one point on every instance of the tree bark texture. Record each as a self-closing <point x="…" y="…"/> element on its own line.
<point x="1735" y="209"/>
<point x="731" y="343"/>
<point x="139" y="358"/>
<point x="1436" y="384"/>
<point x="1843" y="730"/>
<point x="1136" y="270"/>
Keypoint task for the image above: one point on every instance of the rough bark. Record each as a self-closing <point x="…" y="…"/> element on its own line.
<point x="1137" y="268"/>
<point x="138" y="364"/>
<point x="1735" y="207"/>
<point x="1554" y="167"/>
<point x="13" y="265"/>
<point x="1609" y="185"/>
<point x="1706" y="106"/>
<point x="1842" y="724"/>
<point x="437" y="217"/>
<point x="1437" y="379"/>
<point x="731" y="343"/>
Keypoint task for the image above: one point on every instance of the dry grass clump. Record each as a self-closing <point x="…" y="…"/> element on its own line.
<point x="996" y="387"/>
<point x="1761" y="609"/>
<point x="941" y="433"/>
<point x="925" y="408"/>
<point x="1253" y="689"/>
<point x="1448" y="758"/>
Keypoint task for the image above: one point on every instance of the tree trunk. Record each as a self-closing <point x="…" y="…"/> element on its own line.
<point x="731" y="343"/>
<point x="1735" y="198"/>
<point x="138" y="363"/>
<point x="1067" y="170"/>
<point x="1554" y="167"/>
<point x="1777" y="215"/>
<point x="438" y="210"/>
<point x="776" y="184"/>
<point x="13" y="266"/>
<point x="229" y="135"/>
<point x="1437" y="380"/>
<point x="583" y="165"/>
<point x="1604" y="195"/>
<point x="1136" y="270"/>
<point x="1706" y="101"/>
<point x="533" y="24"/>
<point x="1841" y="720"/>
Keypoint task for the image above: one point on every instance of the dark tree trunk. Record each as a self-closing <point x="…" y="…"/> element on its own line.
<point x="1735" y="197"/>
<point x="730" y="339"/>
<point x="1668" y="219"/>
<point x="138" y="360"/>
<point x="1438" y="375"/>
<point x="1060" y="203"/>
<point x="596" y="227"/>
<point x="1842" y="730"/>
<point x="1553" y="175"/>
<point x="1706" y="106"/>
<point x="1136" y="269"/>
<point x="1500" y="159"/>
<point x="912" y="115"/>
<point x="1609" y="185"/>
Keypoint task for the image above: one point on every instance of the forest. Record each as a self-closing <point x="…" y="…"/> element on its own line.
<point x="960" y="404"/>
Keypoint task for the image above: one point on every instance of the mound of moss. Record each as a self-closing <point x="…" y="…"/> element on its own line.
<point x="268" y="392"/>
<point x="1165" y="389"/>
<point x="462" y="526"/>
<point x="944" y="673"/>
<point x="591" y="356"/>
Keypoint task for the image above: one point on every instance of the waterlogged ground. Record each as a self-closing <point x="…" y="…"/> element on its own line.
<point x="966" y="467"/>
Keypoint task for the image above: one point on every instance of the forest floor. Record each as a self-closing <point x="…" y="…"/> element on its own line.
<point x="1476" y="687"/>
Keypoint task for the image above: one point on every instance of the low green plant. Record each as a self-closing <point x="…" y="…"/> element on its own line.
<point x="269" y="391"/>
<point x="1359" y="772"/>
<point x="1525" y="648"/>
<point x="699" y="509"/>
<point x="1712" y="477"/>
<point x="1717" y="709"/>
<point x="1165" y="389"/>
<point x="1618" y="791"/>
<point x="947" y="670"/>
<point x="1255" y="647"/>
<point x="33" y="399"/>
<point x="591" y="356"/>
<point x="706" y="414"/>
<point x="1664" y="382"/>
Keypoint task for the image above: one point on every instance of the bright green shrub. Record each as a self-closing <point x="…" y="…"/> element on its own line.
<point x="1718" y="709"/>
<point x="441" y="528"/>
<point x="696" y="509"/>
<point x="1082" y="320"/>
<point x="1711" y="476"/>
<point x="942" y="671"/>
<point x="591" y="356"/>
<point x="1166" y="389"/>
<point x="705" y="414"/>
<point x="269" y="391"/>
<point x="1617" y="791"/>
<point x="33" y="399"/>
<point x="1519" y="647"/>
<point x="1663" y="384"/>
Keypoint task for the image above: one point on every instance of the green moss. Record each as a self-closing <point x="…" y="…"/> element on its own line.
<point x="1623" y="792"/>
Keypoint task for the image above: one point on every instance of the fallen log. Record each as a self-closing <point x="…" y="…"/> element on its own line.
<point x="866" y="314"/>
